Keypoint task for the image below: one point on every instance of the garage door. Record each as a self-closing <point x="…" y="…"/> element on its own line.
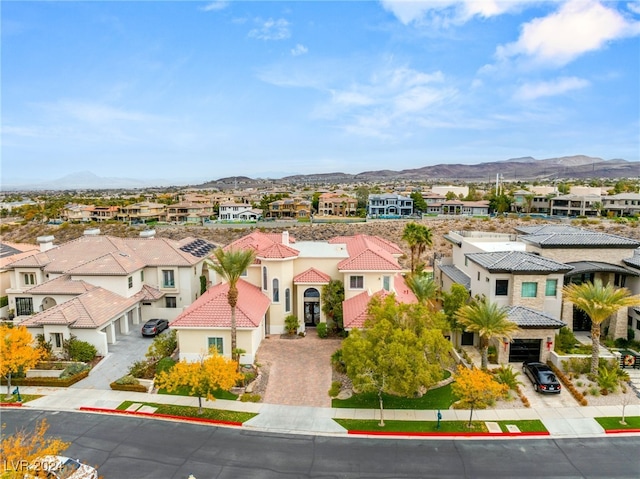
<point x="525" y="350"/>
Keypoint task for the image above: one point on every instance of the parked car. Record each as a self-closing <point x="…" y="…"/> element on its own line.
<point x="542" y="377"/>
<point x="154" y="327"/>
<point x="61" y="467"/>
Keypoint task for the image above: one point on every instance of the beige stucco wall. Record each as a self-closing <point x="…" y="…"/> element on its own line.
<point x="568" y="255"/>
<point x="192" y="342"/>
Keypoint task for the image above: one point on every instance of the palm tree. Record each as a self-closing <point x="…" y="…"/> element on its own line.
<point x="488" y="320"/>
<point x="598" y="302"/>
<point x="230" y="265"/>
<point x="418" y="237"/>
<point x="423" y="287"/>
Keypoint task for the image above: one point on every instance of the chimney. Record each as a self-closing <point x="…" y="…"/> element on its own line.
<point x="148" y="234"/>
<point x="92" y="232"/>
<point x="45" y="242"/>
<point x="285" y="238"/>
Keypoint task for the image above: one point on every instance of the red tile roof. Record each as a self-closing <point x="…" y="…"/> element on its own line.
<point x="278" y="251"/>
<point x="149" y="293"/>
<point x="368" y="253"/>
<point x="312" y="275"/>
<point x="354" y="310"/>
<point x="212" y="310"/>
<point x="90" y="310"/>
<point x="266" y="245"/>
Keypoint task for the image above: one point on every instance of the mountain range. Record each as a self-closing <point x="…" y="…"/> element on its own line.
<point x="514" y="169"/>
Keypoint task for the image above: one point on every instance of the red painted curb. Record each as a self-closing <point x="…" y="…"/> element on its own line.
<point x="10" y="404"/>
<point x="164" y="416"/>
<point x="621" y="431"/>
<point x="452" y="434"/>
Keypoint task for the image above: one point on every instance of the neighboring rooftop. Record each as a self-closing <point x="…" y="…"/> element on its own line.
<point x="528" y="318"/>
<point x="517" y="262"/>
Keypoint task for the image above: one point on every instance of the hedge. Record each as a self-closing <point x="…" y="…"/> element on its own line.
<point x="51" y="382"/>
<point x="128" y="387"/>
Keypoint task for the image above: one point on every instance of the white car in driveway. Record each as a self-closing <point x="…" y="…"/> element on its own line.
<point x="61" y="467"/>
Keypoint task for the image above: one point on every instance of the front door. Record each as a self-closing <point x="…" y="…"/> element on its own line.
<point x="581" y="321"/>
<point x="311" y="313"/>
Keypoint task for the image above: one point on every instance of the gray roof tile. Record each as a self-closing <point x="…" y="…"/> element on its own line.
<point x="531" y="319"/>
<point x="517" y="262"/>
<point x="456" y="275"/>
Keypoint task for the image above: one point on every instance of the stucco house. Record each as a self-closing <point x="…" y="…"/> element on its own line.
<point x="526" y="272"/>
<point x="97" y="287"/>
<point x="287" y="278"/>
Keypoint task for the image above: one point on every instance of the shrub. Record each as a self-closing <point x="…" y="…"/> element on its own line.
<point x="322" y="330"/>
<point x="246" y="397"/>
<point x="143" y="369"/>
<point x="337" y="362"/>
<point x="565" y="340"/>
<point x="128" y="379"/>
<point x="81" y="350"/>
<point x="335" y="389"/>
<point x="506" y="375"/>
<point x="163" y="345"/>
<point x="621" y="343"/>
<point x="74" y="369"/>
<point x="492" y="353"/>
<point x="291" y="324"/>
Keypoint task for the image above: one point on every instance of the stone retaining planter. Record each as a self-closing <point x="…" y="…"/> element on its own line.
<point x="44" y="373"/>
<point x="557" y="359"/>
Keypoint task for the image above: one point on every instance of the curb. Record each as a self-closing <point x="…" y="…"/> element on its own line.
<point x="10" y="404"/>
<point x="448" y="434"/>
<point x="218" y="422"/>
<point x="621" y="431"/>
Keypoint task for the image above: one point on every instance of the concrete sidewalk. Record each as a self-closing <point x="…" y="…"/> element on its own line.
<point x="560" y="422"/>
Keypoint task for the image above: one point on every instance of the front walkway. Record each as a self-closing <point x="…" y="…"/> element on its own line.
<point x="299" y="369"/>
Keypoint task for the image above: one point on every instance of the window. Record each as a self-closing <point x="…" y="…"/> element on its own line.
<point x="24" y="306"/>
<point x="56" y="340"/>
<point x="168" y="280"/>
<point x="551" y="287"/>
<point x="356" y="282"/>
<point x="142" y="276"/>
<point x="29" y="279"/>
<point x="276" y="290"/>
<point x="170" y="302"/>
<point x="130" y="280"/>
<point x="244" y="273"/>
<point x="264" y="278"/>
<point x="215" y="343"/>
<point x="502" y="287"/>
<point x="529" y="290"/>
<point x="478" y="275"/>
<point x="386" y="283"/>
<point x="287" y="300"/>
<point x="466" y="261"/>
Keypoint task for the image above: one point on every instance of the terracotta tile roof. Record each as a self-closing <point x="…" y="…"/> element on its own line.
<point x="90" y="310"/>
<point x="33" y="260"/>
<point x="62" y="285"/>
<point x="149" y="293"/>
<point x="10" y="252"/>
<point x="111" y="264"/>
<point x="212" y="310"/>
<point x="369" y="260"/>
<point x="312" y="275"/>
<point x="278" y="250"/>
<point x="354" y="310"/>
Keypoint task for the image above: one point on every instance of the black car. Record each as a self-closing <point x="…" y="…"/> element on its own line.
<point x="542" y="377"/>
<point x="154" y="326"/>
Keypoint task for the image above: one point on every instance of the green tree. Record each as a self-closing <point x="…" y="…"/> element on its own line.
<point x="202" y="378"/>
<point x="362" y="195"/>
<point x="598" y="302"/>
<point x="452" y="301"/>
<point x="419" y="204"/>
<point x="488" y="320"/>
<point x="451" y="196"/>
<point x="418" y="237"/>
<point x="476" y="389"/>
<point x="270" y="198"/>
<point x="230" y="265"/>
<point x="332" y="297"/>
<point x="424" y="287"/>
<point x="386" y="359"/>
<point x="315" y="201"/>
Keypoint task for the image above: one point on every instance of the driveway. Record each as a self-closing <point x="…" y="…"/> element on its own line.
<point x="128" y="349"/>
<point x="299" y="369"/>
<point x="540" y="400"/>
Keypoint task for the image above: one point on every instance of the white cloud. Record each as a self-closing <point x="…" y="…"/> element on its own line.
<point x="578" y="27"/>
<point x="299" y="49"/>
<point x="559" y="86"/>
<point x="98" y="113"/>
<point x="445" y="12"/>
<point x="215" y="6"/>
<point x="271" y="30"/>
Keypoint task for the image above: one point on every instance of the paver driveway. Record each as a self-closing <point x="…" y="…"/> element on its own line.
<point x="299" y="369"/>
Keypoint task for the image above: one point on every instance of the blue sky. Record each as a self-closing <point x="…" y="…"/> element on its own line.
<point x="204" y="90"/>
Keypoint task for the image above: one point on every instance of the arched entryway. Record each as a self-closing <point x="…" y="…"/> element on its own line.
<point x="48" y="302"/>
<point x="311" y="307"/>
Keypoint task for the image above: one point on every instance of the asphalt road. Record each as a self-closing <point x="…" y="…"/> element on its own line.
<point x="134" y="448"/>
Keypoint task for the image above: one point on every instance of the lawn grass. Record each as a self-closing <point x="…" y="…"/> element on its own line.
<point x="14" y="398"/>
<point x="191" y="411"/>
<point x="633" y="422"/>
<point x="184" y="391"/>
<point x="432" y="426"/>
<point x="441" y="398"/>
